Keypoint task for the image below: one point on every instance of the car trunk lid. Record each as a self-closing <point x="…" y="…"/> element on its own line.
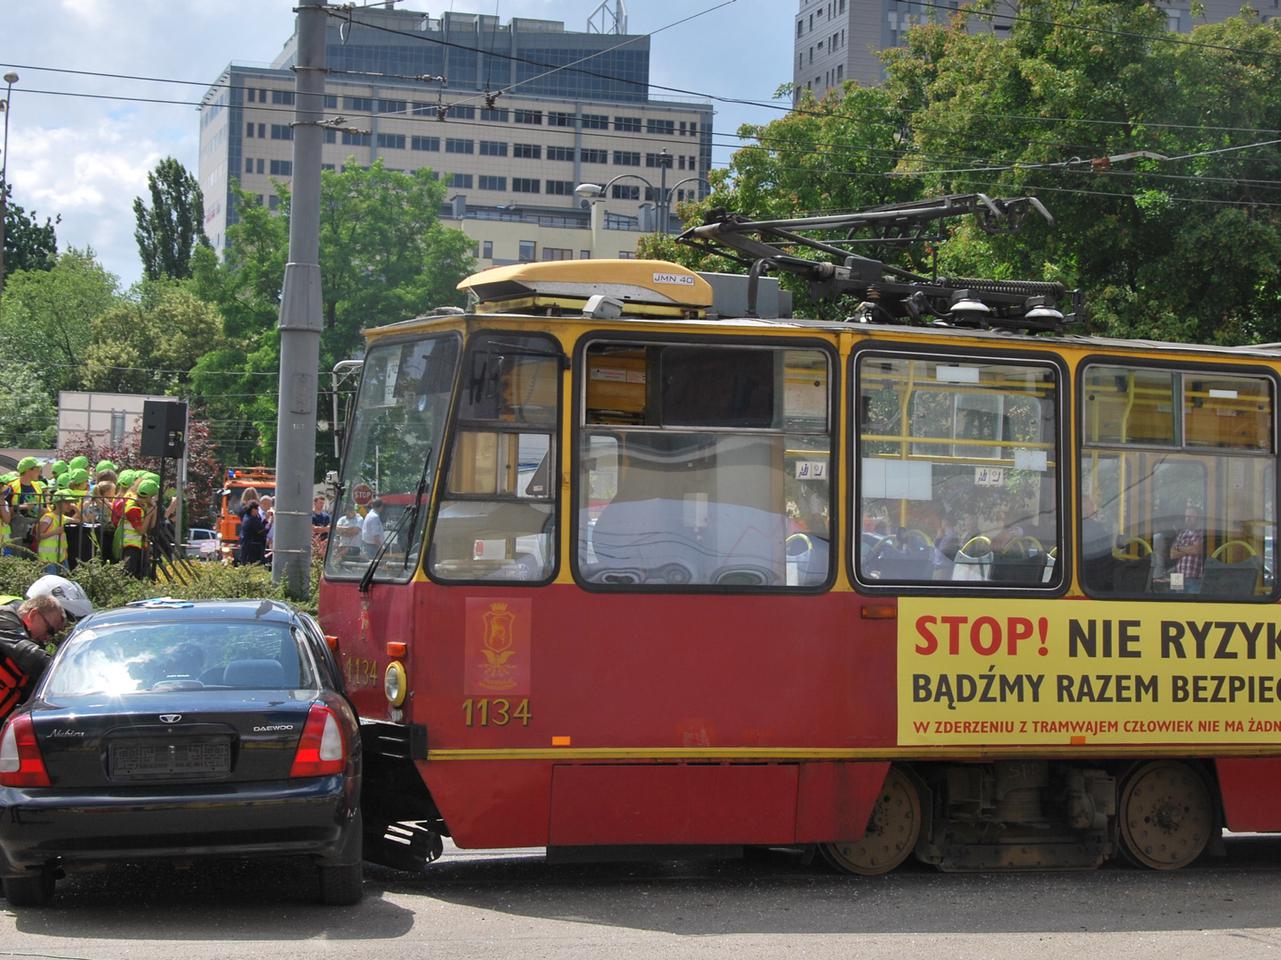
<point x="170" y="738"/>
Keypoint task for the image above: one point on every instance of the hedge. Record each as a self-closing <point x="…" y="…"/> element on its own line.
<point x="108" y="585"/>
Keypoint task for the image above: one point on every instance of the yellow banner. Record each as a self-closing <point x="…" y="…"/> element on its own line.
<point x="985" y="671"/>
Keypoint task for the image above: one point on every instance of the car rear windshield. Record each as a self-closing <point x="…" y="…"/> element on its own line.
<point x="163" y="657"/>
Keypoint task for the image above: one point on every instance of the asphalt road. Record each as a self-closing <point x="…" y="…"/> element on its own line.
<point x="514" y="904"/>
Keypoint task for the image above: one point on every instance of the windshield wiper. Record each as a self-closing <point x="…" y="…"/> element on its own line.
<point x="414" y="509"/>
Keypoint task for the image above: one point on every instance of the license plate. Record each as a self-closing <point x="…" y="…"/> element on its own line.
<point x="174" y="759"/>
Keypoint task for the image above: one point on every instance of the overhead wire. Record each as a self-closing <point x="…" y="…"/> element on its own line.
<point x="555" y="66"/>
<point x="289" y="112"/>
<point x="728" y="139"/>
<point x="848" y="149"/>
<point x="764" y="140"/>
<point x="740" y="138"/>
<point x="1164" y="37"/>
<point x="975" y="114"/>
<point x="600" y="53"/>
<point x="493" y="39"/>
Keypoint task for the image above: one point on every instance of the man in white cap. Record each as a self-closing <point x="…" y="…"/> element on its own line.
<point x="22" y="658"/>
<point x="27" y="629"/>
<point x="71" y="597"/>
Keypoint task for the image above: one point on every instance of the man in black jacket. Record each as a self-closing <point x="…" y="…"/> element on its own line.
<point x="23" y="633"/>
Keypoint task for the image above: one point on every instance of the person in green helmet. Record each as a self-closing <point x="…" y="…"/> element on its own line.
<point x="51" y="534"/>
<point x="103" y="472"/>
<point x="78" y="463"/>
<point x="136" y="522"/>
<point x="26" y="495"/>
<point x="124" y="487"/>
<point x="6" y="509"/>
<point x="58" y="468"/>
<point x="76" y="483"/>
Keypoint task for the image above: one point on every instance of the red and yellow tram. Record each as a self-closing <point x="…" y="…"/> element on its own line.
<point x="943" y="580"/>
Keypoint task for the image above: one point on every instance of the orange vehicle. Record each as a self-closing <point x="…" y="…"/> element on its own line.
<point x="240" y="479"/>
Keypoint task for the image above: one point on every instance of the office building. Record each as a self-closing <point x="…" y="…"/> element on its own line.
<point x="511" y="135"/>
<point x="839" y="40"/>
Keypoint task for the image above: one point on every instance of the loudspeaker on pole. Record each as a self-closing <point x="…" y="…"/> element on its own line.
<point x="164" y="428"/>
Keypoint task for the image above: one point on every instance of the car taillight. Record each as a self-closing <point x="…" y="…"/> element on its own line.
<point x="321" y="750"/>
<point x="20" y="762"/>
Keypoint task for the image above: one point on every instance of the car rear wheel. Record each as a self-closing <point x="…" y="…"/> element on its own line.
<point x="35" y="890"/>
<point x="342" y="886"/>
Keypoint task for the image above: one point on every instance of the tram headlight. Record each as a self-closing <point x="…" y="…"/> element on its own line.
<point x="395" y="684"/>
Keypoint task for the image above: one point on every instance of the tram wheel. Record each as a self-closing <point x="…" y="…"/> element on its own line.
<point x="1166" y="814"/>
<point x="891" y="834"/>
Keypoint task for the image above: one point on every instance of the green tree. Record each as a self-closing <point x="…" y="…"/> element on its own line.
<point x="1177" y="249"/>
<point x="46" y="316"/>
<point x="384" y="257"/>
<point x="28" y="414"/>
<point x="174" y="225"/>
<point x="148" y="342"/>
<point x="1182" y="245"/>
<point x="28" y="243"/>
<point x="827" y="156"/>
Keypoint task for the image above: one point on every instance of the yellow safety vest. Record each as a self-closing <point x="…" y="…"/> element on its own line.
<point x="53" y="549"/>
<point x="16" y="487"/>
<point x="132" y="537"/>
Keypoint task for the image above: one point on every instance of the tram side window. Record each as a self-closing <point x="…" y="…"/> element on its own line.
<point x="1177" y="483"/>
<point x="497" y="518"/>
<point x="958" y="473"/>
<point x="395" y="442"/>
<point x="704" y="465"/>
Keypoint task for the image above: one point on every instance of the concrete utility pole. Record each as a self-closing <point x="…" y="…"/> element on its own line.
<point x="300" y="316"/>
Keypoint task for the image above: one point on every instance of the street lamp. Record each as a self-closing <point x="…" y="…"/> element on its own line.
<point x="672" y="189"/>
<point x="10" y="79"/>
<point x="596" y="191"/>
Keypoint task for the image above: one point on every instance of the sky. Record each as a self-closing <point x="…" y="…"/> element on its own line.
<point x="86" y="156"/>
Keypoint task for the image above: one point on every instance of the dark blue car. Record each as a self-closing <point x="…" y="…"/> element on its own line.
<point x="183" y="729"/>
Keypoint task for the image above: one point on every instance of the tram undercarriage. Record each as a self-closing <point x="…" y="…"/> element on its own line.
<point x="999" y="815"/>
<point x="1037" y="815"/>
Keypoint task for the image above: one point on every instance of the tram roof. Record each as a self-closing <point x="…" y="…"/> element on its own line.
<point x="620" y="294"/>
<point x="1264" y="351"/>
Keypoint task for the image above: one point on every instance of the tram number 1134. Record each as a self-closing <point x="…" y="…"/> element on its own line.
<point x="494" y="712"/>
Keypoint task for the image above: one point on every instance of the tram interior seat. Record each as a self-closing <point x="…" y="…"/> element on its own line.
<point x="973" y="561"/>
<point x="1222" y="579"/>
<point x="1131" y="575"/>
<point x="664" y="540"/>
<point x="807" y="559"/>
<point x="1098" y="572"/>
<point x="907" y="555"/>
<point x="1022" y="561"/>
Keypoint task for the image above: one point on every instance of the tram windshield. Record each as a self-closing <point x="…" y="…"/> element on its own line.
<point x="394" y="447"/>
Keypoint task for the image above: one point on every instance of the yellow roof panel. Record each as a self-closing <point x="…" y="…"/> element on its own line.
<point x="636" y="281"/>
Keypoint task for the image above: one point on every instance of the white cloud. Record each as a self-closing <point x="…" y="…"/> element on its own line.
<point x="89" y="176"/>
<point x="87" y="158"/>
<point x="93" y="12"/>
